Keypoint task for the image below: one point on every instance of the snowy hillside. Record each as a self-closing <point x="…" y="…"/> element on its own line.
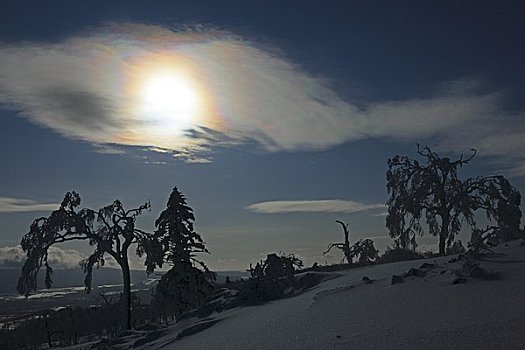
<point x="430" y="309"/>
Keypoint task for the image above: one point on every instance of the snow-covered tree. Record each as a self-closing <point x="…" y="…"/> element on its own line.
<point x="433" y="191"/>
<point x="176" y="242"/>
<point x="111" y="230"/>
<point x="365" y="251"/>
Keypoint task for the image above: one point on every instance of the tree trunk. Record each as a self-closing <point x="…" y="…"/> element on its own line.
<point x="346" y="245"/>
<point x="442" y="241"/>
<point x="48" y="333"/>
<point x="126" y="295"/>
<point x="75" y="336"/>
<point x="348" y="255"/>
<point x="443" y="234"/>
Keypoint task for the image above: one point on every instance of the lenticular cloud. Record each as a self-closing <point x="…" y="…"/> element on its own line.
<point x="91" y="87"/>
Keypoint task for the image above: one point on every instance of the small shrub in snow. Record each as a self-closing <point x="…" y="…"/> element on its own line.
<point x="271" y="279"/>
<point x="399" y="254"/>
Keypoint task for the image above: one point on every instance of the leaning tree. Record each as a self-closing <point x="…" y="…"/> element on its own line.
<point x="433" y="192"/>
<point x="111" y="230"/>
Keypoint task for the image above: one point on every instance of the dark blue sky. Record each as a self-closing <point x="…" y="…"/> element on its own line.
<point x="384" y="48"/>
<point x="376" y="55"/>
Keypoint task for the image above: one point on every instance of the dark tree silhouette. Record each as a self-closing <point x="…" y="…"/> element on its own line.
<point x="271" y="278"/>
<point x="111" y="230"/>
<point x="365" y="251"/>
<point x="433" y="191"/>
<point x="176" y="242"/>
<point x="345" y="246"/>
<point x="281" y="267"/>
<point x="482" y="240"/>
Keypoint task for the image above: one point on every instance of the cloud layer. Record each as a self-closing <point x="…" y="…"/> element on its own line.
<point x="311" y="206"/>
<point x="16" y="205"/>
<point x="14" y="257"/>
<point x="89" y="87"/>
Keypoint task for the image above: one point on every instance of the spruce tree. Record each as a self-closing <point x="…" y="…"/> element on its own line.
<point x="184" y="286"/>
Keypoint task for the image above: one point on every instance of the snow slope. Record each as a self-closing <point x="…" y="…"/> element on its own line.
<point x="347" y="313"/>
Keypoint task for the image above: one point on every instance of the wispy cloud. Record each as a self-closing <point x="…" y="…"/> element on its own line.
<point x="107" y="149"/>
<point x="304" y="206"/>
<point x="156" y="162"/>
<point x="517" y="171"/>
<point x="500" y="139"/>
<point x="14" y="205"/>
<point x="90" y="87"/>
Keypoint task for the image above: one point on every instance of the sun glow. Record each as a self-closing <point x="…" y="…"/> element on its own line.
<point x="170" y="102"/>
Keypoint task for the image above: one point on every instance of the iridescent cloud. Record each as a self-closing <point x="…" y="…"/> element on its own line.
<point x="187" y="91"/>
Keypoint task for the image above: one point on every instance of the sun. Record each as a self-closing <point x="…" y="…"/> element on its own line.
<point x="170" y="101"/>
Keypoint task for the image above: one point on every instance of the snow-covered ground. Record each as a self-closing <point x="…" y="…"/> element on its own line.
<point x="426" y="312"/>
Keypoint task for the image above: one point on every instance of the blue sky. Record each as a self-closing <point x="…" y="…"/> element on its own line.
<point x="312" y="99"/>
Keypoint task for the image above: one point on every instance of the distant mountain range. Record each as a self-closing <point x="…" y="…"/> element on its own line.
<point x="67" y="278"/>
<point x="63" y="278"/>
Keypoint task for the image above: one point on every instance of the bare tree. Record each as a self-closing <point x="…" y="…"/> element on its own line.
<point x="111" y="230"/>
<point x="433" y="191"/>
<point x="345" y="246"/>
